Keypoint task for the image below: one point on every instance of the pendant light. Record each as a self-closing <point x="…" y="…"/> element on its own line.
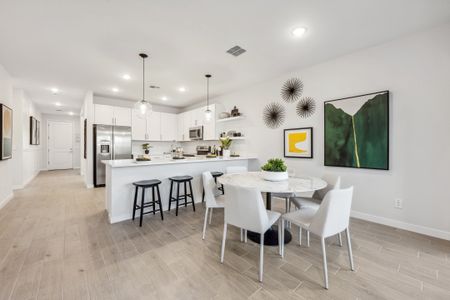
<point x="143" y="106"/>
<point x="208" y="112"/>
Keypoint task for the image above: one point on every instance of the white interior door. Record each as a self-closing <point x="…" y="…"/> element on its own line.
<point x="59" y="145"/>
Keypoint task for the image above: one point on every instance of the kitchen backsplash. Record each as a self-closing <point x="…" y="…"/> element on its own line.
<point x="158" y="148"/>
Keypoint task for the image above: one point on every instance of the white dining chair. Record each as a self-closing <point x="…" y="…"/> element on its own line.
<point x="238" y="170"/>
<point x="333" y="182"/>
<point x="244" y="208"/>
<point x="213" y="198"/>
<point x="332" y="217"/>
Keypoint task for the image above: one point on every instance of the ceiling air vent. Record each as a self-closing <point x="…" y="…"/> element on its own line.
<point x="236" y="51"/>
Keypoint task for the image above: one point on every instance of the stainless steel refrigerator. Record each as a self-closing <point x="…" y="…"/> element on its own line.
<point x="110" y="143"/>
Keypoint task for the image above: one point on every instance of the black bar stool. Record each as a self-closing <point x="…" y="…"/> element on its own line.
<point x="220" y="188"/>
<point x="181" y="180"/>
<point x="145" y="184"/>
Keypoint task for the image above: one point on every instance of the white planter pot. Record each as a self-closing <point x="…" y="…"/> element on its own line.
<point x="226" y="153"/>
<point x="275" y="176"/>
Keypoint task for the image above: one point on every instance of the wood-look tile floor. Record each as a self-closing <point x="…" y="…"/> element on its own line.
<point x="56" y="243"/>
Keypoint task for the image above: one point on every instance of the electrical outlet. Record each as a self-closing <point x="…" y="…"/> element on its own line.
<point x="398" y="203"/>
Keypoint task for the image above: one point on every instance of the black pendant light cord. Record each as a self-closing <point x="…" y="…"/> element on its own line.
<point x="144" y="56"/>
<point x="207" y="90"/>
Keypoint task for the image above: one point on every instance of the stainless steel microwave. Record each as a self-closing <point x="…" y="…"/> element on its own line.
<point x="196" y="133"/>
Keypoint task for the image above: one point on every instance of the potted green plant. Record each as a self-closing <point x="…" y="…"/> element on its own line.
<point x="275" y="170"/>
<point x="225" y="143"/>
<point x="146" y="147"/>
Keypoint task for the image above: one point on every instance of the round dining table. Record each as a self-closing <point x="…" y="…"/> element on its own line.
<point x="293" y="185"/>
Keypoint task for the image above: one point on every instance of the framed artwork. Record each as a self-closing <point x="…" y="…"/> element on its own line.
<point x="6" y="132"/>
<point x="85" y="138"/>
<point x="298" y="142"/>
<point x="35" y="131"/>
<point x="357" y="131"/>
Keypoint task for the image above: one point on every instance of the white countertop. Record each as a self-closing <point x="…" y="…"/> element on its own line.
<point x="124" y="163"/>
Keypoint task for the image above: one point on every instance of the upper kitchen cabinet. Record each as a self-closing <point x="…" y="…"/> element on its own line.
<point x="122" y="116"/>
<point x="209" y="127"/>
<point x="183" y="125"/>
<point x="139" y="126"/>
<point x="154" y="126"/>
<point x="168" y="127"/>
<point x="103" y="114"/>
<point x="112" y="115"/>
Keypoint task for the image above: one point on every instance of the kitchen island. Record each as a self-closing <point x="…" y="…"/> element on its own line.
<point x="120" y="175"/>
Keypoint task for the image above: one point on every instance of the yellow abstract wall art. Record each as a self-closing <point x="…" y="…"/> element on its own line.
<point x="298" y="142"/>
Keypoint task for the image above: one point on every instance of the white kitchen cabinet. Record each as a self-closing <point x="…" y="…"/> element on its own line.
<point x="209" y="127"/>
<point x="112" y="115"/>
<point x="122" y="116"/>
<point x="180" y="127"/>
<point x="154" y="126"/>
<point x="103" y="114"/>
<point x="138" y="127"/>
<point x="168" y="127"/>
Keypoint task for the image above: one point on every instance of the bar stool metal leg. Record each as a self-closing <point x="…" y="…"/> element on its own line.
<point x="170" y="194"/>
<point x="178" y="198"/>
<point x="153" y="198"/>
<point x="135" y="201"/>
<point x="142" y="207"/>
<point x="160" y="205"/>
<point x="192" y="195"/>
<point x="185" y="194"/>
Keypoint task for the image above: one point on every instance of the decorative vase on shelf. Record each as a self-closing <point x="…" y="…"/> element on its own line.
<point x="147" y="152"/>
<point x="226" y="153"/>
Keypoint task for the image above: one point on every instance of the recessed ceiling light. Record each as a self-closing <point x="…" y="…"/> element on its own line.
<point x="182" y="89"/>
<point x="54" y="90"/>
<point x="58" y="104"/>
<point x="115" y="90"/>
<point x="299" y="31"/>
<point x="126" y="76"/>
<point x="71" y="113"/>
<point x="164" y="98"/>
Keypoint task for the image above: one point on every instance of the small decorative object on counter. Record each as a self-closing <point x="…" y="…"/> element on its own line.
<point x="235" y="112"/>
<point x="146" y="147"/>
<point x="234" y="154"/>
<point x="143" y="158"/>
<point x="226" y="143"/>
<point x="275" y="170"/>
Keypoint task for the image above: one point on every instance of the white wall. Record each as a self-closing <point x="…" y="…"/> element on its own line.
<point x="76" y="138"/>
<point x="416" y="70"/>
<point x="27" y="158"/>
<point x="6" y="166"/>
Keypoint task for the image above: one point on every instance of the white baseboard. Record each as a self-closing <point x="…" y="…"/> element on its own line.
<point x="402" y="225"/>
<point x="89" y="186"/>
<point x="6" y="200"/>
<point x="21" y="186"/>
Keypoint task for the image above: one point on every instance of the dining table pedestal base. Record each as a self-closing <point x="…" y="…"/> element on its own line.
<point x="270" y="236"/>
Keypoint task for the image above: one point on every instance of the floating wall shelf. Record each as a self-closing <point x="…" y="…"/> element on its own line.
<point x="230" y="119"/>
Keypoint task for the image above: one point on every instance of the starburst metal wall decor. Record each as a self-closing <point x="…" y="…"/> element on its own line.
<point x="274" y="115"/>
<point x="292" y="90"/>
<point x="306" y="107"/>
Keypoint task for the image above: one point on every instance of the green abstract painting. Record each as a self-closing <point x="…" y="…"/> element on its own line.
<point x="357" y="131"/>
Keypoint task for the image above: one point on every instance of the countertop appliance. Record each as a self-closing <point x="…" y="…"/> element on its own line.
<point x="110" y="143"/>
<point x="196" y="133"/>
<point x="203" y="150"/>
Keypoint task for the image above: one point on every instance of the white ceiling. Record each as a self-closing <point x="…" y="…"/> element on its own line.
<point x="89" y="44"/>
